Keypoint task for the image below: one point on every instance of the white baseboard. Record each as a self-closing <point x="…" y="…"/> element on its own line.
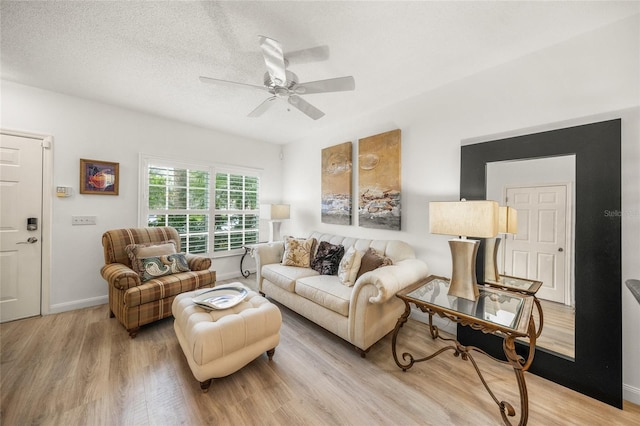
<point x="101" y="300"/>
<point x="631" y="394"/>
<point x="78" y="304"/>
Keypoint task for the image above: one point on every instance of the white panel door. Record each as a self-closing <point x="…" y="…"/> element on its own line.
<point x="20" y="249"/>
<point x="538" y="251"/>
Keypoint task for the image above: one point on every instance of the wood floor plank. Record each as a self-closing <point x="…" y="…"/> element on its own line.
<point x="81" y="368"/>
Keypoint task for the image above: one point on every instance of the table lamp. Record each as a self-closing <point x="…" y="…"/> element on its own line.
<point x="466" y="219"/>
<point x="275" y="214"/>
<point x="507" y="224"/>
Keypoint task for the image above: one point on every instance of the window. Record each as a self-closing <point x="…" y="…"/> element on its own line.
<point x="236" y="211"/>
<point x="182" y="196"/>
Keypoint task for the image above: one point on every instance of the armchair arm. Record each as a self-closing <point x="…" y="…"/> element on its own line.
<point x="120" y="276"/>
<point x="266" y="254"/>
<point x="391" y="279"/>
<point x="197" y="262"/>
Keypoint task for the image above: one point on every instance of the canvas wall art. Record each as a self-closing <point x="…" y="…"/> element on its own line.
<point x="379" y="186"/>
<point x="336" y="184"/>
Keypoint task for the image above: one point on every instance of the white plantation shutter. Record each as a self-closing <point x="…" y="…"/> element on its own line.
<point x="215" y="210"/>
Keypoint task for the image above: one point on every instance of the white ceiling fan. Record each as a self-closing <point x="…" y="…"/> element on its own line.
<point x="284" y="84"/>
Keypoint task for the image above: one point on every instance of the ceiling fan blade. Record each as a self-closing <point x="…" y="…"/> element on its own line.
<point x="273" y="59"/>
<point x="229" y="83"/>
<point x="340" y="84"/>
<point x="312" y="54"/>
<point x="260" y="109"/>
<point x="305" y="107"/>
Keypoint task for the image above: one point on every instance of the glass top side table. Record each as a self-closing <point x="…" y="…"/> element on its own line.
<point x="503" y="312"/>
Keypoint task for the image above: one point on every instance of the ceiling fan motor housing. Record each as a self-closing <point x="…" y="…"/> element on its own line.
<point x="292" y="80"/>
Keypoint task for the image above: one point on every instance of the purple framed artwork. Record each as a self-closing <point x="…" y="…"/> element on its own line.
<point x="99" y="177"/>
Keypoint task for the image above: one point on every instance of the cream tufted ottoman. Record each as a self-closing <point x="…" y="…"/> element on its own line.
<point x="217" y="343"/>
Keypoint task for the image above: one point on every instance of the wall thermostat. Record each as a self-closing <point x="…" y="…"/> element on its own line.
<point x="63" y="191"/>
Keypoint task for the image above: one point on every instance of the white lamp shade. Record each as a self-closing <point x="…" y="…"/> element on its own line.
<point x="507" y="220"/>
<point x="464" y="218"/>
<point x="274" y="211"/>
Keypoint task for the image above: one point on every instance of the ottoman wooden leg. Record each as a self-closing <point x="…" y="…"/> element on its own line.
<point x="205" y="385"/>
<point x="270" y="353"/>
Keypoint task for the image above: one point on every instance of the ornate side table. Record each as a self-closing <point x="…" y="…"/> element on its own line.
<point x="248" y="250"/>
<point x="505" y="313"/>
<point x="524" y="286"/>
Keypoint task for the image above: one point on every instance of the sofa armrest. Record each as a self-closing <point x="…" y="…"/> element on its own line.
<point x="266" y="254"/>
<point x="391" y="279"/>
<point x="120" y="276"/>
<point x="197" y="262"/>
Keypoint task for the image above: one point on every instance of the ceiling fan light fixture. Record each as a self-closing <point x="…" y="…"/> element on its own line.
<point x="283" y="84"/>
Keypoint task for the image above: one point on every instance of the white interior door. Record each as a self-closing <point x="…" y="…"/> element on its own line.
<point x="20" y="248"/>
<point x="539" y="249"/>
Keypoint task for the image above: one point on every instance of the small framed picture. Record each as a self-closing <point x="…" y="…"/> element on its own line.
<point x="99" y="177"/>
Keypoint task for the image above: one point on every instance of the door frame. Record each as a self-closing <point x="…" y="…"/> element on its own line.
<point x="569" y="236"/>
<point x="47" y="208"/>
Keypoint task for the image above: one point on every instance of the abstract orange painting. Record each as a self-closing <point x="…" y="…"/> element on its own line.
<point x="379" y="185"/>
<point x="336" y="184"/>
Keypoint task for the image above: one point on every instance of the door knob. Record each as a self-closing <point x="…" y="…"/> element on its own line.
<point x="30" y="240"/>
<point x="561" y="249"/>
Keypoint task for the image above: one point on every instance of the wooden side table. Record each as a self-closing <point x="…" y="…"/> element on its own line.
<point x="524" y="286"/>
<point x="505" y="313"/>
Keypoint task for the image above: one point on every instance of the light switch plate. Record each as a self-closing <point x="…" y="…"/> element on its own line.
<point x="83" y="220"/>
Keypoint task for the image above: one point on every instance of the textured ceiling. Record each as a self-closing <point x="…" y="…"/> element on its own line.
<point x="147" y="56"/>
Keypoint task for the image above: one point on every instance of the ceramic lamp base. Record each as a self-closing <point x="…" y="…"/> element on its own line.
<point x="491" y="259"/>
<point x="274" y="230"/>
<point x="463" y="277"/>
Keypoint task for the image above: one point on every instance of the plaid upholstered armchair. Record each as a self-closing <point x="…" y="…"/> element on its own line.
<point x="146" y="271"/>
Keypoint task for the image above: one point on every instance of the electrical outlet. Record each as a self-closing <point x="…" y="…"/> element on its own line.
<point x="83" y="220"/>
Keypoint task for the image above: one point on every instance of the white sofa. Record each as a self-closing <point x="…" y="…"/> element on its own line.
<point x="361" y="314"/>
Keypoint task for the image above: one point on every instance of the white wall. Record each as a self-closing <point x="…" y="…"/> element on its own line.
<point x="86" y="129"/>
<point x="589" y="78"/>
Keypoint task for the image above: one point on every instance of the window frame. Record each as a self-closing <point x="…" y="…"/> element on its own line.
<point x="147" y="160"/>
<point x="246" y="172"/>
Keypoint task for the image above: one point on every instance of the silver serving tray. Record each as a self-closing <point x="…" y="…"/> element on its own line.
<point x="221" y="298"/>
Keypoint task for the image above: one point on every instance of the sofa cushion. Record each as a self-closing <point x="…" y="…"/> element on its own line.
<point x="137" y="252"/>
<point x="298" y="252"/>
<point x="158" y="266"/>
<point x="327" y="291"/>
<point x="372" y="260"/>
<point x="349" y="266"/>
<point x="285" y="276"/>
<point x="327" y="259"/>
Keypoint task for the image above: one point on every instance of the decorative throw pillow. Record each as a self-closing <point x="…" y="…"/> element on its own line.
<point x="298" y="252"/>
<point x="327" y="258"/>
<point x="158" y="266"/>
<point x="372" y="260"/>
<point x="137" y="252"/>
<point x="349" y="266"/>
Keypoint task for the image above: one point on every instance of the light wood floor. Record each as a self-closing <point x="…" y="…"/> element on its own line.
<point x="81" y="368"/>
